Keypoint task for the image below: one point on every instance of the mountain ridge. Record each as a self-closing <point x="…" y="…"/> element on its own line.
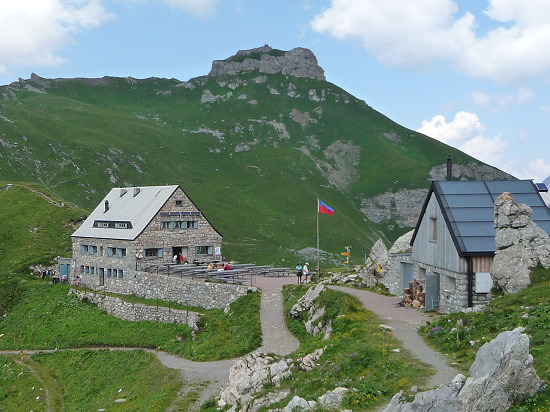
<point x="254" y="150"/>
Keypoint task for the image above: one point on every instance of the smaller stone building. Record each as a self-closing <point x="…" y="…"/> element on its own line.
<point x="134" y="226"/>
<point x="453" y="245"/>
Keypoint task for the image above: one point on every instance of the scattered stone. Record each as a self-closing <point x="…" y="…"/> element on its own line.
<point x="297" y="404"/>
<point x="309" y="361"/>
<point x="270" y="398"/>
<point x="333" y="399"/>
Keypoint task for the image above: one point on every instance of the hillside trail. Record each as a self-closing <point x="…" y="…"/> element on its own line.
<point x="40" y="194"/>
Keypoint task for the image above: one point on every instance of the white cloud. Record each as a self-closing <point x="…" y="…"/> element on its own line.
<point x="537" y="169"/>
<point x="463" y="127"/>
<point x="465" y="132"/>
<point x="487" y="150"/>
<point x="33" y="32"/>
<point x="500" y="101"/>
<point x="545" y="108"/>
<point x="407" y="33"/>
<point x="200" y="8"/>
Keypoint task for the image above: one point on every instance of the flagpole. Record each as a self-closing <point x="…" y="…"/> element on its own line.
<point x="317" y="213"/>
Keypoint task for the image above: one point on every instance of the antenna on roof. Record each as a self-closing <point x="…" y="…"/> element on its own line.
<point x="106" y="206"/>
<point x="449" y="168"/>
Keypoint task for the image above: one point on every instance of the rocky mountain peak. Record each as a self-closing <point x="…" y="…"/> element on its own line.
<point x="298" y="62"/>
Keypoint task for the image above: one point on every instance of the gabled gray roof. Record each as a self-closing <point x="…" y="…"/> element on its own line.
<point x="468" y="209"/>
<point x="136" y="209"/>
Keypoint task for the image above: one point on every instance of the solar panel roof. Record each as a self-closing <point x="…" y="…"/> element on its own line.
<point x="468" y="208"/>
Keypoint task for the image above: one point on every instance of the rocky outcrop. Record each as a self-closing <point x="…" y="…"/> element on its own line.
<point x="520" y="245"/>
<point x="298" y="62"/>
<point x="314" y="323"/>
<point x="501" y="374"/>
<point x="307" y="301"/>
<point x="249" y="374"/>
<point x="378" y="262"/>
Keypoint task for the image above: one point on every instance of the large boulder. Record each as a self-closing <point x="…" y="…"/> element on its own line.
<point x="378" y="261"/>
<point x="520" y="245"/>
<point x="501" y="374"/>
<point x="402" y="244"/>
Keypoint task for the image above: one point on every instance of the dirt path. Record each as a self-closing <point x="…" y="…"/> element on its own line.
<point x="405" y="323"/>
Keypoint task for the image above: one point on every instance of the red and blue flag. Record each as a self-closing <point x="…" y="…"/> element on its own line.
<point x="322" y="207"/>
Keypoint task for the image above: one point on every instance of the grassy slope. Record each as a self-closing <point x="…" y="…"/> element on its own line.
<point x="81" y="140"/>
<point x="51" y="319"/>
<point x="32" y="230"/>
<point x="88" y="380"/>
<point x="529" y="308"/>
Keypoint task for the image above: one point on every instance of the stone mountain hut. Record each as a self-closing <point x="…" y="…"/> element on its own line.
<point x="140" y="224"/>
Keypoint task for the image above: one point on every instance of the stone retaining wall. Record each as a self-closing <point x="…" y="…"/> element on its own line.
<point x="136" y="311"/>
<point x="188" y="292"/>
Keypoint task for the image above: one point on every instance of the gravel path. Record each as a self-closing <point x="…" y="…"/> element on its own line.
<point x="276" y="336"/>
<point x="405" y="323"/>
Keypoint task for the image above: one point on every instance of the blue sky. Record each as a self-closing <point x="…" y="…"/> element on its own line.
<point x="474" y="74"/>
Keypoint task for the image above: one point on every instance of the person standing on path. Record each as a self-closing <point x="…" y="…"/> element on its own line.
<point x="305" y="271"/>
<point x="299" y="272"/>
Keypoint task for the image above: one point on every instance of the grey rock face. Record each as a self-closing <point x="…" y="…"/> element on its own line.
<point x="501" y="373"/>
<point x="298" y="62"/>
<point x="402" y="206"/>
<point x="520" y="245"/>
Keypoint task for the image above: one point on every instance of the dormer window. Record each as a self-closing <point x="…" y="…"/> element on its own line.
<point x="179" y="202"/>
<point x="112" y="224"/>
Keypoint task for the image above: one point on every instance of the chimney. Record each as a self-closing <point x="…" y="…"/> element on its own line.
<point x="136" y="191"/>
<point x="106" y="206"/>
<point x="449" y="168"/>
